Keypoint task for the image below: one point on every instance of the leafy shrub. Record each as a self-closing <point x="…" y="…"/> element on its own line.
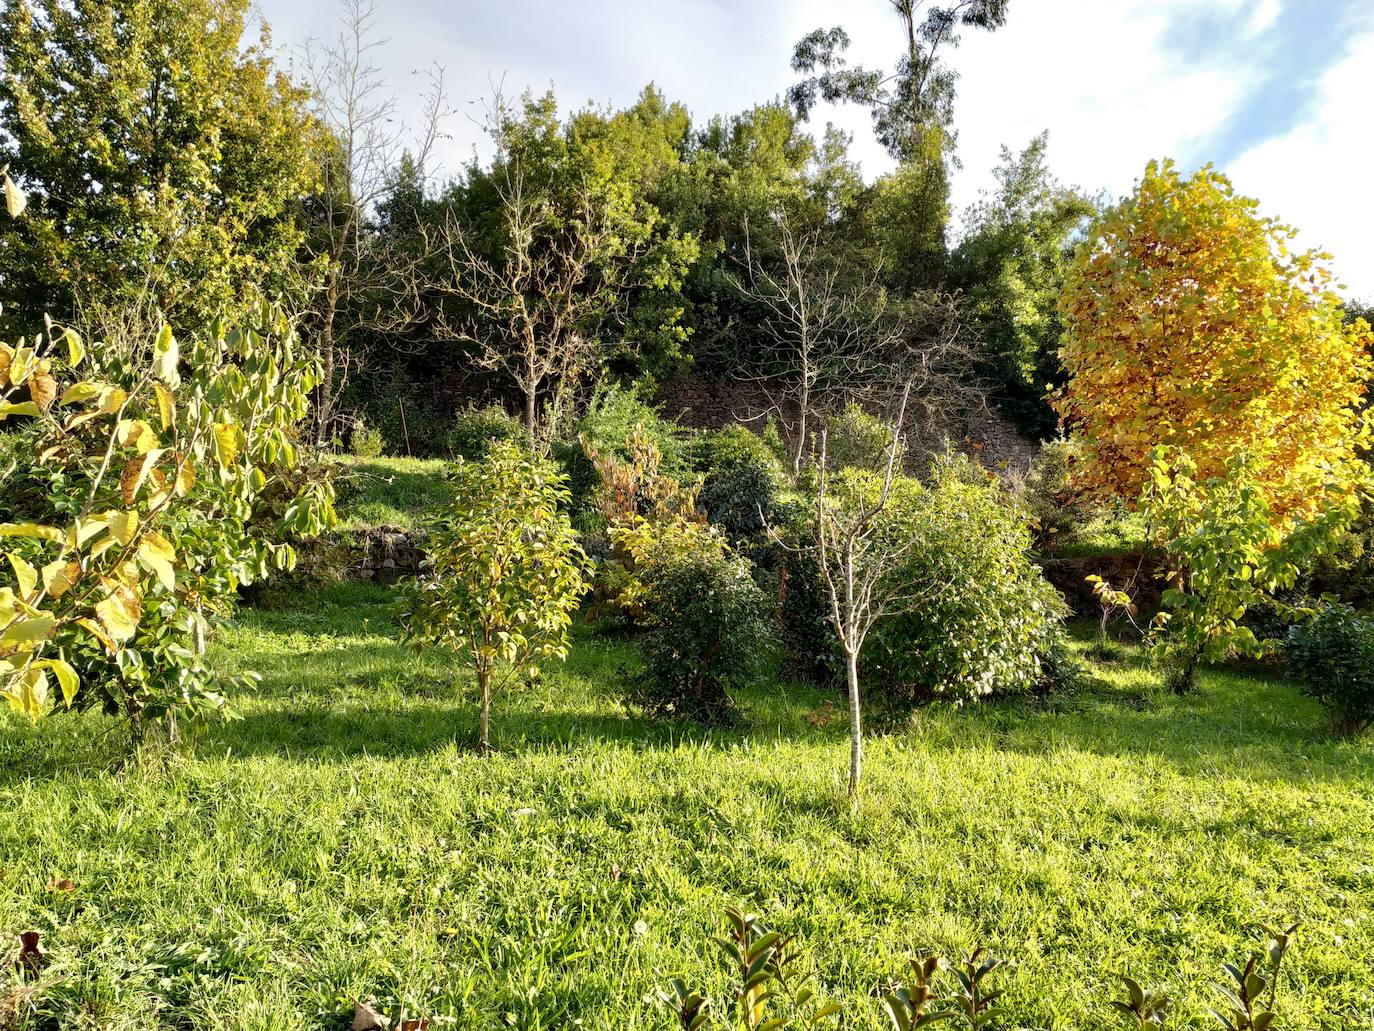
<point x="987" y="619"/>
<point x="707" y="634"/>
<point x="475" y="429"/>
<point x="856" y="439"/>
<point x="1229" y="551"/>
<point x="731" y="447"/>
<point x="130" y="504"/>
<point x="507" y="572"/>
<point x="742" y="500"/>
<point x="618" y="423"/>
<point x="365" y="441"/>
<point x="1347" y="571"/>
<point x="617" y="414"/>
<point x="1333" y="656"/>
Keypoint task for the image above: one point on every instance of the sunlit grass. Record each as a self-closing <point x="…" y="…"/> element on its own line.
<point x="342" y="841"/>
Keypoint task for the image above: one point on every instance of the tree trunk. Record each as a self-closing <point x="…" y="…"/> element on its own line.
<point x="484" y="716"/>
<point x="531" y="413"/>
<point x="324" y="393"/>
<point x="856" y="740"/>
<point x="803" y="403"/>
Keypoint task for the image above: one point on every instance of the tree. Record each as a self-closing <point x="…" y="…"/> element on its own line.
<point x="1191" y="321"/>
<point x="856" y="545"/>
<point x="163" y="154"/>
<point x="1010" y="266"/>
<point x="507" y="574"/>
<point x="1227" y="551"/>
<point x="544" y="251"/>
<point x="369" y="283"/>
<point x="146" y="482"/>
<point x="913" y="116"/>
<point x="824" y="330"/>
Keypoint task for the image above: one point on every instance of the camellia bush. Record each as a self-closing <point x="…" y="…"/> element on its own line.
<point x="132" y="478"/>
<point x="987" y="621"/>
<point x="507" y="574"/>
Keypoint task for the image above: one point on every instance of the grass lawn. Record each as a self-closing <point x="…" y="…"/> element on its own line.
<point x="341" y="842"/>
<point x="388" y="491"/>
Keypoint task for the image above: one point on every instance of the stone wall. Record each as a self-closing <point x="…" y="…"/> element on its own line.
<point x="1070" y="575"/>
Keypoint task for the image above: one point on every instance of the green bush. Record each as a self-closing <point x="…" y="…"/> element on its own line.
<point x="731" y="447"/>
<point x="612" y="417"/>
<point x="986" y="621"/>
<point x="1332" y="655"/>
<point x="1348" y="571"/>
<point x="707" y="631"/>
<point x="365" y="441"/>
<point x="616" y="419"/>
<point x="857" y="440"/>
<point x="475" y="429"/>
<point x="741" y="500"/>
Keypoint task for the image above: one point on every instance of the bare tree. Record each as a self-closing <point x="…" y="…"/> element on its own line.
<point x="856" y="547"/>
<point x="538" y="301"/>
<point x="367" y="283"/>
<point x="824" y="331"/>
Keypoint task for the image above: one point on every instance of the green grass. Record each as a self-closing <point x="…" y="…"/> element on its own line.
<point x="388" y="491"/>
<point x="341" y="841"/>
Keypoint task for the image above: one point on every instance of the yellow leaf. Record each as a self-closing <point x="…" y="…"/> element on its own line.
<point x="186" y="478"/>
<point x="99" y="633"/>
<point x="15" y="201"/>
<point x="23" y="634"/>
<point x="166" y="355"/>
<point x="30" y="694"/>
<point x="137" y="433"/>
<point x="9" y="408"/>
<point x="119" y="612"/>
<point x="135" y="472"/>
<point x="76" y="349"/>
<point x="157" y="556"/>
<point x="226" y="443"/>
<point x="123" y="525"/>
<point x="59" y="576"/>
<point x="83" y="391"/>
<point x="47" y="533"/>
<point x="43" y="390"/>
<point x="24" y="574"/>
<point x="166" y="405"/>
<point x="67" y="679"/>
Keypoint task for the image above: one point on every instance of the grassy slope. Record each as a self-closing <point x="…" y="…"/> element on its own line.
<point x="337" y="843"/>
<point x="388" y="491"/>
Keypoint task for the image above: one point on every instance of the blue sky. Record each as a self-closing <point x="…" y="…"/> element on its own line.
<point x="1278" y="93"/>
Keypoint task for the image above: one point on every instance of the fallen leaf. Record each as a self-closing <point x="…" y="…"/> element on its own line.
<point x="365" y="1018"/>
<point x="63" y="885"/>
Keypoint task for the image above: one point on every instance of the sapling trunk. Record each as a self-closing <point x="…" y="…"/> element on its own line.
<point x="856" y="739"/>
<point x="484" y="714"/>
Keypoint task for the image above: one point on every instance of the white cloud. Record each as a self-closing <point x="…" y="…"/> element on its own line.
<point x="1317" y="177"/>
<point x="1099" y="74"/>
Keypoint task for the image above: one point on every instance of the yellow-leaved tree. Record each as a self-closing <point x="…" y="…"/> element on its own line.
<point x="1193" y="323"/>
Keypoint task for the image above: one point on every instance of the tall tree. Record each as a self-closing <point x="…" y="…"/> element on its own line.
<point x="162" y="152"/>
<point x="912" y="107"/>
<point x="545" y="250"/>
<point x="827" y="328"/>
<point x="368" y="163"/>
<point x="1193" y="322"/>
<point x="1010" y="266"/>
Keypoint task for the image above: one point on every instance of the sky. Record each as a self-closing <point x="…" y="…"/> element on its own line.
<point x="1279" y="94"/>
